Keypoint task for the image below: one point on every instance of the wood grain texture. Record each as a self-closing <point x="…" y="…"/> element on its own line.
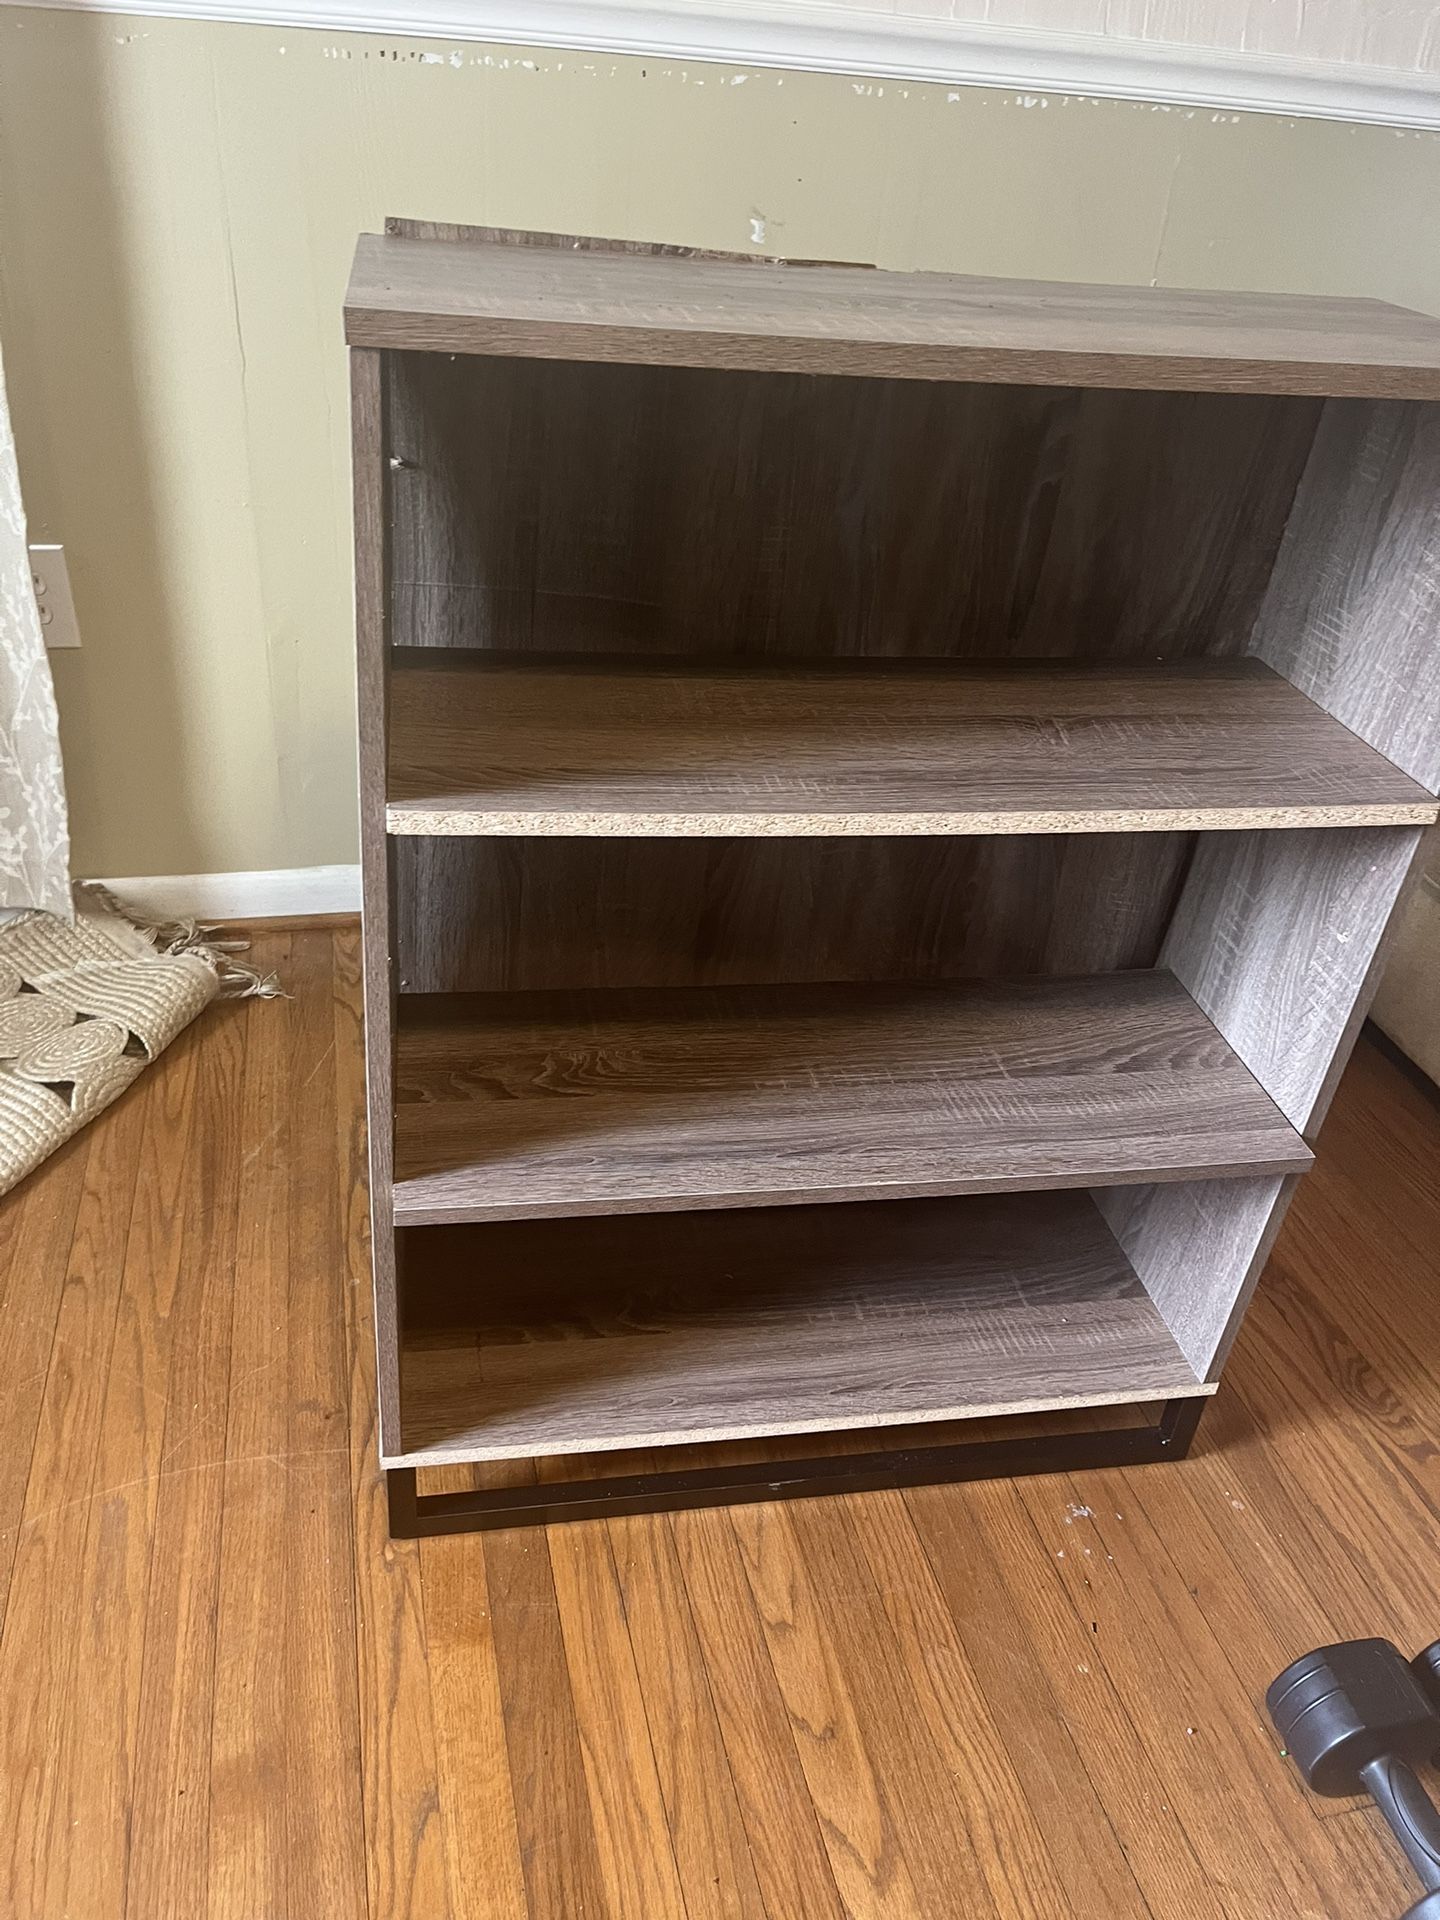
<point x="167" y="1869"/>
<point x="787" y="1829"/>
<point x="557" y="304"/>
<point x="95" y="1727"/>
<point x="478" y="1807"/>
<point x="513" y="1107"/>
<point x="980" y="1673"/>
<point x="57" y="1405"/>
<point x="681" y="1723"/>
<point x="1275" y="935"/>
<point x="482" y="743"/>
<point x="1219" y="1770"/>
<point x="553" y="506"/>
<point x="1306" y="1513"/>
<point x="452" y="230"/>
<point x="330" y="1509"/>
<point x="368" y="427"/>
<point x="558" y="1844"/>
<point x="27" y="1327"/>
<point x="1280" y="939"/>
<point x="871" y="1815"/>
<point x="1025" y="1587"/>
<point x="627" y="1805"/>
<point x="1199" y="1247"/>
<point x="1352" y="614"/>
<point x="564" y="1336"/>
<point x="247" y="1864"/>
<point x="477" y="915"/>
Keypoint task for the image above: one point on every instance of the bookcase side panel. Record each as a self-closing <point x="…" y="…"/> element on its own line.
<point x="1279" y="938"/>
<point x="368" y="430"/>
<point x="1352" y="613"/>
<point x="1199" y="1248"/>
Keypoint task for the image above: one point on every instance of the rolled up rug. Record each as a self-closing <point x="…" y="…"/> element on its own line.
<point x="86" y="1006"/>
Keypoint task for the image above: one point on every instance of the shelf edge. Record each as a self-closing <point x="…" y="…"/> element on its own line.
<point x="472" y="1213"/>
<point x="414" y="822"/>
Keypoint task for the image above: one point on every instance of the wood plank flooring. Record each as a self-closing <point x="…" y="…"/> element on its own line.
<point x="224" y="1693"/>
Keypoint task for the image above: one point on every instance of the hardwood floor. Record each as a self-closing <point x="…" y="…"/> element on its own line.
<point x="224" y="1693"/>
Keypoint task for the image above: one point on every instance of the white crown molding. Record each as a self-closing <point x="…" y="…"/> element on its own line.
<point x="282" y="893"/>
<point x="808" y="36"/>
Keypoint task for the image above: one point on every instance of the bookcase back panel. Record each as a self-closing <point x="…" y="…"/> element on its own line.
<point x="559" y="505"/>
<point x="479" y="915"/>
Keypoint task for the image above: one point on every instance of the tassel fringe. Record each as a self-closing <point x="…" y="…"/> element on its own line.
<point x="170" y="937"/>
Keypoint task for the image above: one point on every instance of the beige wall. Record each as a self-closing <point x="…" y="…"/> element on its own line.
<point x="178" y="202"/>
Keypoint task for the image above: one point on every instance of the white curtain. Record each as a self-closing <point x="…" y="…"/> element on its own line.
<point x="34" y="826"/>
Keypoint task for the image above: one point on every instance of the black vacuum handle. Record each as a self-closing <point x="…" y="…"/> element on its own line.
<point x="1413" y="1816"/>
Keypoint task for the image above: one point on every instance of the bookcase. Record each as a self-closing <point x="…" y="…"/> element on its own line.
<point x="881" y="799"/>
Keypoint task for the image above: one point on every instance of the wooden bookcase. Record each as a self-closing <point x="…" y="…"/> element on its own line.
<point x="881" y="800"/>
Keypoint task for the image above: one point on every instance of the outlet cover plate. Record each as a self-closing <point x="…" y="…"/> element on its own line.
<point x="51" y="578"/>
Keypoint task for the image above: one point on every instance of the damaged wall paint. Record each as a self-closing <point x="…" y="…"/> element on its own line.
<point x="1335" y="59"/>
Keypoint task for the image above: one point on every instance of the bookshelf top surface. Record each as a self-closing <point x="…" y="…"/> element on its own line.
<point x="557" y="303"/>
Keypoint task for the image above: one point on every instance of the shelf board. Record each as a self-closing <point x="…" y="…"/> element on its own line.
<point x="486" y="743"/>
<point x="563" y="304"/>
<point x="514" y="1106"/>
<point x="565" y="1336"/>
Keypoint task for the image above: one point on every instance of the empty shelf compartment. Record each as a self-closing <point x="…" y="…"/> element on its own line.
<point x="584" y="1336"/>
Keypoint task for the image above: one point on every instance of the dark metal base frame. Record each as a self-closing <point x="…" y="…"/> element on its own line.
<point x="413" y="1515"/>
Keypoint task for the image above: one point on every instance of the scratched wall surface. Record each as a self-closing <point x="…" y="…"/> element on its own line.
<point x="178" y="202"/>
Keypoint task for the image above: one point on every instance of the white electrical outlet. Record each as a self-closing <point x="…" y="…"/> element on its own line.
<point x="53" y="597"/>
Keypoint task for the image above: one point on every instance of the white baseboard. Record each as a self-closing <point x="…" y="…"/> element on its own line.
<point x="280" y="893"/>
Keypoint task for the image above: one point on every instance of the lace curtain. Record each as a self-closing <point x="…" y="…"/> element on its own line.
<point x="34" y="827"/>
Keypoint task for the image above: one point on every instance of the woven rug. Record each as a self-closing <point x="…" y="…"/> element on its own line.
<point x="85" y="1008"/>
